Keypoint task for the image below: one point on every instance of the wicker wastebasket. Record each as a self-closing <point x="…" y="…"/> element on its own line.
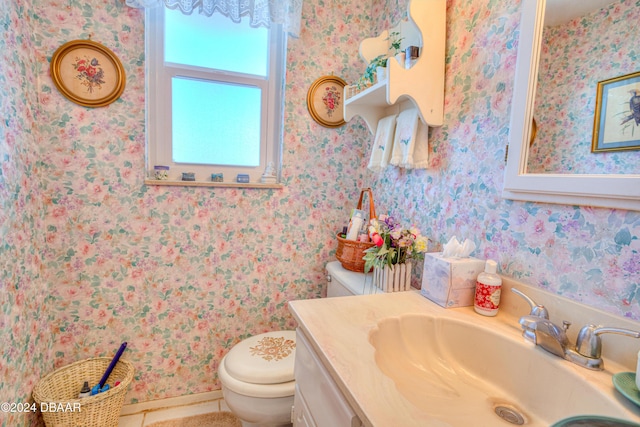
<point x="57" y="394"/>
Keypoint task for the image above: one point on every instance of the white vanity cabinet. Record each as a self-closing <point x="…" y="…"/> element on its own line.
<point x="420" y="86"/>
<point x="318" y="402"/>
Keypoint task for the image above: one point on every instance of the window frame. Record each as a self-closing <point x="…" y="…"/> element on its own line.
<point x="158" y="121"/>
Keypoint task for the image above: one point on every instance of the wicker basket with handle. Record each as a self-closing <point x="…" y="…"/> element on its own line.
<point x="350" y="252"/>
<point x="59" y="390"/>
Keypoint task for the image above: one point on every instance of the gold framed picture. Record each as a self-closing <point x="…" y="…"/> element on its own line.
<point x="325" y="101"/>
<point x="87" y="73"/>
<point x="616" y="124"/>
<point x="534" y="131"/>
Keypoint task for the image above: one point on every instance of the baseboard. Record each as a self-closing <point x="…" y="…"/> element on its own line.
<point x="153" y="405"/>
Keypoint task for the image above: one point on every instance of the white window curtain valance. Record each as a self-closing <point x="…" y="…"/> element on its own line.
<point x="261" y="12"/>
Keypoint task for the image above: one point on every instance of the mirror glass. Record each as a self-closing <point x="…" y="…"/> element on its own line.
<point x="583" y="42"/>
<point x="617" y="184"/>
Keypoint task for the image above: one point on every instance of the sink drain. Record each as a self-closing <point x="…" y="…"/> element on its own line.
<point x="510" y="415"/>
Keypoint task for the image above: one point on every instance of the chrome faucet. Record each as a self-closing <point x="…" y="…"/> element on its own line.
<point x="546" y="334"/>
<point x="537" y="328"/>
<point x="588" y="351"/>
<point x="536" y="309"/>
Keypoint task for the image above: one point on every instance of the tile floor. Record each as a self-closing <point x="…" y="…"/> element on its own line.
<point x="143" y="414"/>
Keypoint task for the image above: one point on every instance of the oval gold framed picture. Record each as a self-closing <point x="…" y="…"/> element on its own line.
<point x="87" y="73"/>
<point x="325" y="101"/>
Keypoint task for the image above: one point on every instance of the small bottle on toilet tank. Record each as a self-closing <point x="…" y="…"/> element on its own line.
<point x="355" y="224"/>
<point x="488" y="289"/>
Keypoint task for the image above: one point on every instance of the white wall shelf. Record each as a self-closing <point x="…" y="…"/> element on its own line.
<point x="422" y="84"/>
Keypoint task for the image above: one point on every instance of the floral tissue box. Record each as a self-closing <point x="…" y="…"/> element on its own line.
<point x="450" y="282"/>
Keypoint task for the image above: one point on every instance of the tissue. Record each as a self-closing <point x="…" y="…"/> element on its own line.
<point x="450" y="282"/>
<point x="454" y="249"/>
<point x="449" y="277"/>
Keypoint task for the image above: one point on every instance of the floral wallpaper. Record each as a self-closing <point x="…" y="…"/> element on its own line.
<point x="181" y="274"/>
<point x="25" y="313"/>
<point x="575" y="57"/>
<point x="590" y="255"/>
<point x="93" y="257"/>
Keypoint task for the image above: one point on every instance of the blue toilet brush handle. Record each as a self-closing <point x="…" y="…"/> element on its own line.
<point x="112" y="364"/>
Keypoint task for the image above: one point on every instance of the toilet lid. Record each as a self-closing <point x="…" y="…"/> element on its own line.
<point x="263" y="359"/>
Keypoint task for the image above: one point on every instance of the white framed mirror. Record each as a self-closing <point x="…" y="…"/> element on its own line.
<point x="621" y="190"/>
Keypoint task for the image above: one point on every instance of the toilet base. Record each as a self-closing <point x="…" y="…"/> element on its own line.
<point x="259" y="412"/>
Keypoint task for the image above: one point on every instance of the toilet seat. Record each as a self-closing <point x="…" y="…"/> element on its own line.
<point x="261" y="366"/>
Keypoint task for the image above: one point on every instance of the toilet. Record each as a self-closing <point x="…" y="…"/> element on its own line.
<point x="257" y="379"/>
<point x="342" y="282"/>
<point x="257" y="373"/>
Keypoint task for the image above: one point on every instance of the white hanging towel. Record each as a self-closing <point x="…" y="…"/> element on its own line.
<point x="382" y="143"/>
<point x="411" y="141"/>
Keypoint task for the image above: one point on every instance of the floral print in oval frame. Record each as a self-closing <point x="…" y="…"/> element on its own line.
<point x="325" y="101"/>
<point x="87" y="73"/>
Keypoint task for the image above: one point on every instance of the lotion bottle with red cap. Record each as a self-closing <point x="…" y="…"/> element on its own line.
<point x="488" y="289"/>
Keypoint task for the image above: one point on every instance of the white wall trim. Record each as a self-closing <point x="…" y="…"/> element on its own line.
<point x="153" y="405"/>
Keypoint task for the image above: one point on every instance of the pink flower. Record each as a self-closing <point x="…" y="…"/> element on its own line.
<point x="377" y="239"/>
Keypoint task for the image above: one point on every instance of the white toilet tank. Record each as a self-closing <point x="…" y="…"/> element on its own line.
<point x="342" y="282"/>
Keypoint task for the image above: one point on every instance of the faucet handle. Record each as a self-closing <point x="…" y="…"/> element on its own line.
<point x="589" y="343"/>
<point x="536" y="309"/>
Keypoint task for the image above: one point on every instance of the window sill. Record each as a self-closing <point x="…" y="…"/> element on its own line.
<point x="212" y="184"/>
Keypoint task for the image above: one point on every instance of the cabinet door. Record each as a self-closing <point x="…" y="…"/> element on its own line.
<point x="301" y="414"/>
<point x="321" y="395"/>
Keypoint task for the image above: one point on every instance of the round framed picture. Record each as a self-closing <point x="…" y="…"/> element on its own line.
<point x="325" y="101"/>
<point x="87" y="73"/>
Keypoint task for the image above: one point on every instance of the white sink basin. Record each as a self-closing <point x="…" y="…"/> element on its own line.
<point x="461" y="374"/>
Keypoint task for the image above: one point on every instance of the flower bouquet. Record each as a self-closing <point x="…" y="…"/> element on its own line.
<point x="395" y="248"/>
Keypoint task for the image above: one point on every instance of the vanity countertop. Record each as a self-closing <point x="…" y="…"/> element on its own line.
<point x="338" y="329"/>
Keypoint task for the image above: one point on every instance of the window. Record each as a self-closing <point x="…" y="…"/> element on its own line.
<point x="214" y="95"/>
